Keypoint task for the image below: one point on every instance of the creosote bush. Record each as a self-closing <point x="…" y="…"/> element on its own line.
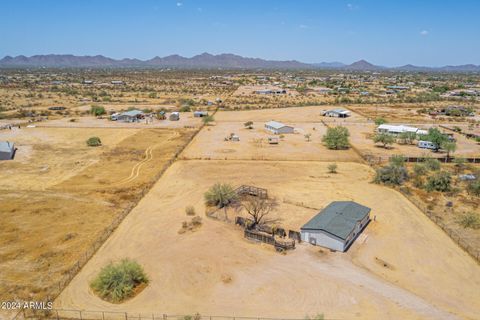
<point x="336" y="138"/>
<point x="391" y="175"/>
<point x="470" y="220"/>
<point x="118" y="281"/>
<point x="94" y="142"/>
<point x="440" y="181"/>
<point x="332" y="168"/>
<point x="190" y="210"/>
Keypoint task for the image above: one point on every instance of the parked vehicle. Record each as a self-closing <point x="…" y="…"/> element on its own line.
<point x="427" y="145"/>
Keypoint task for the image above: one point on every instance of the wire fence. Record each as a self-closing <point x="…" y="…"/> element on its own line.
<point x="464" y="244"/>
<point x="56" y="288"/>
<point x="72" y="314"/>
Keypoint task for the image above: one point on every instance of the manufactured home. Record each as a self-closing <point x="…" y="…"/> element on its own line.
<point x="337" y="225"/>
<point x="278" y="127"/>
<point x="7" y="150"/>
<point x="337" y="113"/>
<point x="398" y="129"/>
<point x="128" y="116"/>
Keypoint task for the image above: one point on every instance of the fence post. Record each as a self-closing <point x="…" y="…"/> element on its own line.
<point x="80" y="312"/>
<point x="57" y="315"/>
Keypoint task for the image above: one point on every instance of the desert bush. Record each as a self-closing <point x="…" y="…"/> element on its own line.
<point x="97" y="110"/>
<point x="470" y="220"/>
<point x="380" y="121"/>
<point x="473" y="187"/>
<point x="248" y="124"/>
<point x="332" y="168"/>
<point x="94" y="142"/>
<point x="336" y="138"/>
<point x="419" y="169"/>
<point x="440" y="181"/>
<point x="117" y="282"/>
<point x="391" y="175"/>
<point x="185" y="108"/>
<point x="459" y="163"/>
<point x="196" y="221"/>
<point x="397" y="160"/>
<point x="432" y="164"/>
<point x="208" y="119"/>
<point x="190" y="210"/>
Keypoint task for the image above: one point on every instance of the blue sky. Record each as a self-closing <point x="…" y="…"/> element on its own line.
<point x="390" y="33"/>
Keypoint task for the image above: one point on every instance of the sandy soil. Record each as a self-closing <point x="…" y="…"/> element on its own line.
<point x="58" y="195"/>
<point x="253" y="145"/>
<point x="186" y="120"/>
<point x="403" y="266"/>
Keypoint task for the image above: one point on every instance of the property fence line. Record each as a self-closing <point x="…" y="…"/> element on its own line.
<point x="465" y="245"/>
<point x="269" y="239"/>
<point x="76" y="314"/>
<point x="372" y="159"/>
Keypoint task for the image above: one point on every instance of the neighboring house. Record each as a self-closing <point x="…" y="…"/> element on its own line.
<point x="336" y="226"/>
<point x="7" y="150"/>
<point x="174" y="116"/>
<point x="130" y="116"/>
<point x="338" y="113"/>
<point x="200" y="114"/>
<point x="395" y="130"/>
<point x="278" y="127"/>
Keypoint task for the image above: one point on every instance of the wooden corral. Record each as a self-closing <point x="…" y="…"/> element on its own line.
<point x="252" y="191"/>
<point x="269" y="239"/>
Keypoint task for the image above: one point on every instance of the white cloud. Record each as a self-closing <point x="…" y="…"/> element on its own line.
<point x="179" y="4"/>
<point x="303" y="26"/>
<point x="424" y="33"/>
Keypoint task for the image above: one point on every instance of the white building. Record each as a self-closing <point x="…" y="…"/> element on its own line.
<point x="7" y="150"/>
<point x="278" y="127"/>
<point x="336" y="226"/>
<point x="395" y="130"/>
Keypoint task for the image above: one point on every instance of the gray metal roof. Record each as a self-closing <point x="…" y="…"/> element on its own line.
<point x="338" y="218"/>
<point x="132" y="113"/>
<point x="275" y="124"/>
<point x="6" y="146"/>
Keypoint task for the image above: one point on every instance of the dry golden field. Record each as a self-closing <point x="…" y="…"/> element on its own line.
<point x="58" y="195"/>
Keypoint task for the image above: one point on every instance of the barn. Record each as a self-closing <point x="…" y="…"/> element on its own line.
<point x="7" y="150"/>
<point x="337" y="225"/>
<point x="278" y="127"/>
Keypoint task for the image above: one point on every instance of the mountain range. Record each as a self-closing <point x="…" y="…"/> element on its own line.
<point x="207" y="61"/>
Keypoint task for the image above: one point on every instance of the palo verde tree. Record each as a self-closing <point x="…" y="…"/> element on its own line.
<point x="220" y="195"/>
<point x="384" y="138"/>
<point x="336" y="138"/>
<point x="449" y="147"/>
<point x="436" y="137"/>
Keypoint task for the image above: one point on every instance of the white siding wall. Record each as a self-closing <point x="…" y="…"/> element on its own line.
<point x="323" y="240"/>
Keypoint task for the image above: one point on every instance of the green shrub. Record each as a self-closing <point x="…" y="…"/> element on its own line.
<point x="470" y="220"/>
<point x="94" y="142"/>
<point x="117" y="282"/>
<point x="380" y="121"/>
<point x="97" y="110"/>
<point x="384" y="138"/>
<point x="185" y="108"/>
<point x="440" y="181"/>
<point x="473" y="187"/>
<point x="220" y="194"/>
<point x="397" y="160"/>
<point x="207" y="119"/>
<point x="332" y="168"/>
<point x="391" y="175"/>
<point x="432" y="164"/>
<point x="336" y="138"/>
<point x="419" y="169"/>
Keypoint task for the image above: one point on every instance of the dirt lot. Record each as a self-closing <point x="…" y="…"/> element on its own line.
<point x="186" y="120"/>
<point x="58" y="195"/>
<point x="253" y="145"/>
<point x="403" y="265"/>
